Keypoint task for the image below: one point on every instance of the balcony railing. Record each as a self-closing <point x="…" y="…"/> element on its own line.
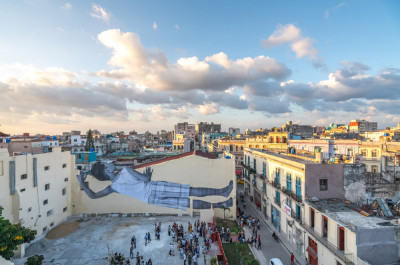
<point x="276" y="184"/>
<point x="297" y="217"/>
<point x="348" y="258"/>
<point x="278" y="202"/>
<point x="296" y="197"/>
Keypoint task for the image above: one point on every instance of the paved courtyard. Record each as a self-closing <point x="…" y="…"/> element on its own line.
<point x="95" y="237"/>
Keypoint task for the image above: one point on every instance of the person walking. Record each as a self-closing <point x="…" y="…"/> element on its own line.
<point x="145" y="239"/>
<point x="184" y="259"/>
<point x="292" y="258"/>
<point x="131" y="252"/>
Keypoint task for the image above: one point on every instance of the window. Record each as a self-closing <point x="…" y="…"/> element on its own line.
<point x="51" y="224"/>
<point x="47" y="186"/>
<point x="65" y="209"/>
<point x="29" y="209"/>
<point x="323" y="184"/>
<point x="66" y="179"/>
<point x="374" y="169"/>
<point x="46" y="168"/>
<point x="75" y="140"/>
<point x="64" y="191"/>
<point x="374" y="153"/>
<point x="289" y="181"/>
<point x="364" y="153"/>
<point x="79" y="156"/>
<point x="25" y="146"/>
<point x="325" y="227"/>
<point x="45" y="202"/>
<point x="50" y="212"/>
<point x="22" y="190"/>
<point x="64" y="165"/>
<point x="24" y="176"/>
<point x="79" y="167"/>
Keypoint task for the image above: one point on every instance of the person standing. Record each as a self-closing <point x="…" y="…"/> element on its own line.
<point x="292" y="258"/>
<point x="145" y="239"/>
<point x="184" y="259"/>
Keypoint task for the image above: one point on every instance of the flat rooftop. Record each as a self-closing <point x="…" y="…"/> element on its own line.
<point x="88" y="240"/>
<point x="282" y="154"/>
<point x="348" y="214"/>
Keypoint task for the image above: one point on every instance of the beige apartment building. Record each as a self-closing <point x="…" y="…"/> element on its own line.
<point x="35" y="189"/>
<point x="282" y="187"/>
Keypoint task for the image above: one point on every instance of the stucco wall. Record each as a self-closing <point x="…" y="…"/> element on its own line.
<point x="194" y="170"/>
<point x="332" y="172"/>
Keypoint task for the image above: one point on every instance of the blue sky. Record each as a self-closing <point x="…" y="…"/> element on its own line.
<point x="145" y="65"/>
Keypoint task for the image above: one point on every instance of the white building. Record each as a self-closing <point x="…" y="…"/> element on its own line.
<point x="35" y="190"/>
<point x="362" y="126"/>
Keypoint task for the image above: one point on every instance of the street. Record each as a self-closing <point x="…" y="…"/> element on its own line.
<point x="270" y="248"/>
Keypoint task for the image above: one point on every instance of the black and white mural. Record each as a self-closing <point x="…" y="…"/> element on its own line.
<point x="160" y="193"/>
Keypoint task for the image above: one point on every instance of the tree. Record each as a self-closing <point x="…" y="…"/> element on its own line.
<point x="12" y="235"/>
<point x="35" y="260"/>
<point x="225" y="208"/>
<point x="89" y="141"/>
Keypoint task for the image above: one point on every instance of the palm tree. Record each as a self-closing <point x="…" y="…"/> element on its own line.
<point x="225" y="208"/>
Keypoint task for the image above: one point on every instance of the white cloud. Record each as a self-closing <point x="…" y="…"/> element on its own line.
<point x="66" y="6"/>
<point x="208" y="109"/>
<point x="302" y="46"/>
<point x="100" y="13"/>
<point x="155" y="25"/>
<point x="132" y="62"/>
<point x="177" y="27"/>
<point x="283" y="34"/>
<point x="328" y="11"/>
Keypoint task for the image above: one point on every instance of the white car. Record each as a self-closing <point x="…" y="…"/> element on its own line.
<point x="275" y="261"/>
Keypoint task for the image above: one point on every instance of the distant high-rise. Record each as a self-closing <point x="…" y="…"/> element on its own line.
<point x="362" y="126"/>
<point x="186" y="129"/>
<point x="208" y="127"/>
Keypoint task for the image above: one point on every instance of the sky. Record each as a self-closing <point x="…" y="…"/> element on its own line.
<point x="146" y="65"/>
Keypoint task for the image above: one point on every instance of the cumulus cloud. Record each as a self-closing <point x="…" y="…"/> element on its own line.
<point x="300" y="45"/>
<point x="131" y="61"/>
<point x="100" y="13"/>
<point x="208" y="109"/>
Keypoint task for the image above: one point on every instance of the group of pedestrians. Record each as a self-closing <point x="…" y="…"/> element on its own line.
<point x="188" y="242"/>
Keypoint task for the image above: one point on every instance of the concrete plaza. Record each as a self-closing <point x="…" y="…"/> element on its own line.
<point x="96" y="237"/>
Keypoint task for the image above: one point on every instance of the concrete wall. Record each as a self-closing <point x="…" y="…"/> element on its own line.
<point x="194" y="170"/>
<point x="377" y="245"/>
<point x="332" y="172"/>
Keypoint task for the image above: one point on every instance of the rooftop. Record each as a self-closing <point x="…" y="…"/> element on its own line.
<point x="348" y="214"/>
<point x="282" y="154"/>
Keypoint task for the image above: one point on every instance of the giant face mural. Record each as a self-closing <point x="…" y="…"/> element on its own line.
<point x="160" y="193"/>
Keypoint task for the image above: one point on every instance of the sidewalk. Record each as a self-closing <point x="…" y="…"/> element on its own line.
<point x="257" y="253"/>
<point x="299" y="259"/>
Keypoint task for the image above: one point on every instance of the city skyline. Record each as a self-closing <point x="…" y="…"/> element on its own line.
<point x="144" y="66"/>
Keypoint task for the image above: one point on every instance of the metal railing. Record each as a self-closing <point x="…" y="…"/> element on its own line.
<point x="348" y="258"/>
<point x="276" y="184"/>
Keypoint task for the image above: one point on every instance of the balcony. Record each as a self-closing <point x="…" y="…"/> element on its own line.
<point x="348" y="258"/>
<point x="277" y="202"/>
<point x="297" y="217"/>
<point x="296" y="197"/>
<point x="276" y="184"/>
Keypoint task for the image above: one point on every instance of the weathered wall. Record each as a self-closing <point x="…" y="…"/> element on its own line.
<point x="355" y="182"/>
<point x="332" y="172"/>
<point x="377" y="245"/>
<point x="194" y="170"/>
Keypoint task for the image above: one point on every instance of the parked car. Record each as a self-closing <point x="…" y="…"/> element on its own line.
<point x="275" y="261"/>
<point x="240" y="181"/>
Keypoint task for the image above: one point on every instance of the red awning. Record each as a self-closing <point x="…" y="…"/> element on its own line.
<point x="238" y="171"/>
<point x="312" y="252"/>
